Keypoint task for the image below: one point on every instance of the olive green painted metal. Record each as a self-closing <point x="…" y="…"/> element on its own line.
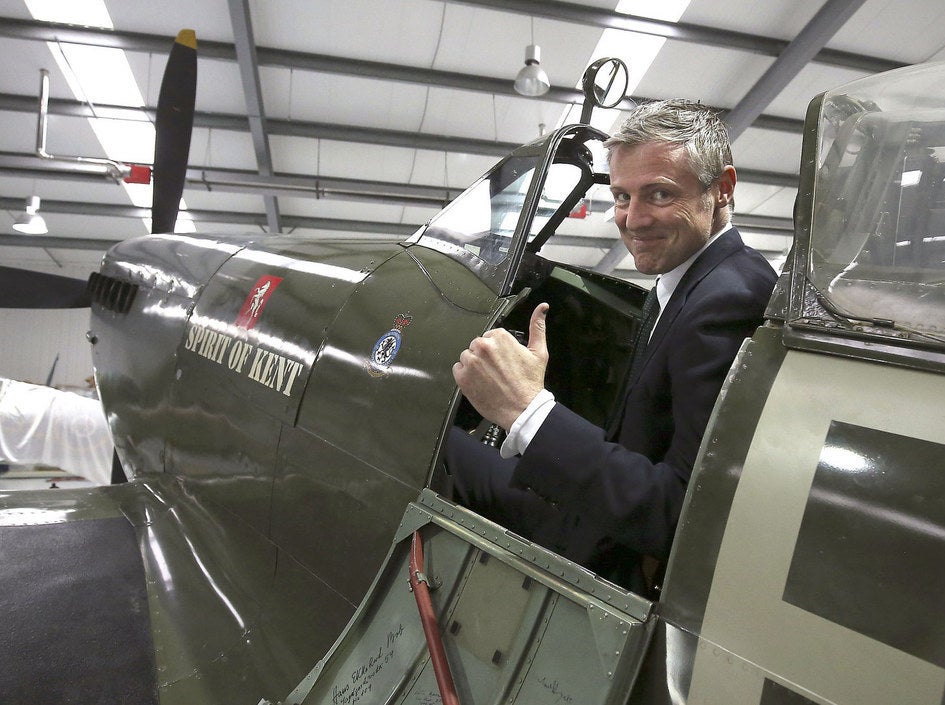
<point x="509" y="611"/>
<point x="280" y="401"/>
<point x="231" y="615"/>
<point x="714" y="483"/>
<point x="823" y="572"/>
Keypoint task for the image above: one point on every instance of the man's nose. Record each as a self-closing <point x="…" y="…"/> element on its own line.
<point x="634" y="215"/>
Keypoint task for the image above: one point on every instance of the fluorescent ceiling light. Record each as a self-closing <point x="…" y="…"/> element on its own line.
<point x="636" y="50"/>
<point x="669" y="10"/>
<point x="91" y="13"/>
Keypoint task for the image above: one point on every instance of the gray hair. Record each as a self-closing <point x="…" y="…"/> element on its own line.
<point x="692" y="125"/>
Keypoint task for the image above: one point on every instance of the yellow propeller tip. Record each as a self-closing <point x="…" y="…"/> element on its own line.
<point x="188" y="38"/>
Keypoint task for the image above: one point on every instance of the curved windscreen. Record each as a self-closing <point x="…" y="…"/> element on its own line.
<point x="524" y="197"/>
<point x="877" y="249"/>
<point x="482" y="220"/>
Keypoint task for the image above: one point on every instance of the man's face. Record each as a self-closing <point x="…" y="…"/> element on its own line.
<point x="663" y="213"/>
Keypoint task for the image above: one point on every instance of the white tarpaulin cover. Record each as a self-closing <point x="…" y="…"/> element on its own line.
<point x="45" y="426"/>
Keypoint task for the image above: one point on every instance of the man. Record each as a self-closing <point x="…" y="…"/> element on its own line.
<point x="605" y="502"/>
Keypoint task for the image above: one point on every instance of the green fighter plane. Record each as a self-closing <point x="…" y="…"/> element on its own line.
<point x="280" y="405"/>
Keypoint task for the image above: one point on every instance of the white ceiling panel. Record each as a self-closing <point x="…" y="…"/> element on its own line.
<point x="201" y="199"/>
<point x="750" y="197"/>
<point x="404" y="31"/>
<point x="95" y="190"/>
<point x="781" y="20"/>
<point x="349" y="100"/>
<point x="910" y="32"/>
<point x="222" y="149"/>
<point x="19" y="70"/>
<point x="297" y="155"/>
<point x="812" y="80"/>
<point x="349" y="160"/>
<point x="68" y="136"/>
<point x="219" y="88"/>
<point x="18" y="133"/>
<point x="325" y="208"/>
<point x="494" y="44"/>
<point x="711" y="75"/>
<point x="211" y="20"/>
<point x="781" y="201"/>
<point x="364" y="86"/>
<point x="767" y="150"/>
<point x="415" y="214"/>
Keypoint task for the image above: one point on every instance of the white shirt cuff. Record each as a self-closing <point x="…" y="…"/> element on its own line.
<point x="527" y="424"/>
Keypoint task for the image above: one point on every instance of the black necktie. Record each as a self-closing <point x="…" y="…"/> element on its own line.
<point x="649" y="314"/>
<point x="651" y="311"/>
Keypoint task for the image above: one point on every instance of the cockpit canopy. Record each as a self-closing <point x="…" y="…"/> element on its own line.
<point x="875" y="260"/>
<point x="520" y="203"/>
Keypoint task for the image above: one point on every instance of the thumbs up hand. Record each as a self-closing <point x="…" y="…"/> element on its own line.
<point x="500" y="376"/>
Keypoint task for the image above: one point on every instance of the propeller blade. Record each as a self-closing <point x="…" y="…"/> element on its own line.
<point x="21" y="288"/>
<point x="52" y="371"/>
<point x="175" y="121"/>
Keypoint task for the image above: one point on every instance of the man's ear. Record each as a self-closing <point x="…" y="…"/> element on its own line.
<point x="726" y="182"/>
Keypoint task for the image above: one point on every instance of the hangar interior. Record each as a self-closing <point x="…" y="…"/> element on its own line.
<point x="362" y="119"/>
<point x="289" y="476"/>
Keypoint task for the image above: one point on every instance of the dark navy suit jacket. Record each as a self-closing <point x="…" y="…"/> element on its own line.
<point x="614" y="499"/>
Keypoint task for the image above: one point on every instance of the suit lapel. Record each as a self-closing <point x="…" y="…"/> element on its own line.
<point x="727" y="245"/>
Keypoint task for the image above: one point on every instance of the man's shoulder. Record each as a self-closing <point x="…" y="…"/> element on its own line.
<point x="751" y="260"/>
<point x="733" y="263"/>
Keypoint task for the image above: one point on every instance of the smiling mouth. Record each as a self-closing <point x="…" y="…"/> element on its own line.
<point x="645" y="239"/>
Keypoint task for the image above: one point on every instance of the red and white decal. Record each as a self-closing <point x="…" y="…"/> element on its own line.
<point x="256" y="301"/>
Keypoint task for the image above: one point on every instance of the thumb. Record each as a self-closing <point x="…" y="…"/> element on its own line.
<point x="536" y="330"/>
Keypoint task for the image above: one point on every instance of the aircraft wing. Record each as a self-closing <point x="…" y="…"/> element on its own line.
<point x="141" y="593"/>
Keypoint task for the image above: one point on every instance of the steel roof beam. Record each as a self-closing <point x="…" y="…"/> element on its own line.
<point x="301" y="128"/>
<point x="569" y="12"/>
<point x="56" y="243"/>
<point x="206" y="216"/>
<point x="678" y="31"/>
<point x="288" y="128"/>
<point x="303" y="61"/>
<point x="242" y="181"/>
<point x="802" y="49"/>
<point x="764" y="224"/>
<point x="29" y="166"/>
<point x="252" y="92"/>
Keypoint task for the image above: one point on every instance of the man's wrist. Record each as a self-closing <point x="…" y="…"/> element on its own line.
<point x="524" y="428"/>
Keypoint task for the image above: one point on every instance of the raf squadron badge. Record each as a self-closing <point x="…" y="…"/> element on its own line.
<point x="387" y="347"/>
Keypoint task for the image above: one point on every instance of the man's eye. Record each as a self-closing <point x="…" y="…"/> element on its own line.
<point x="621" y="198"/>
<point x="660" y="196"/>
